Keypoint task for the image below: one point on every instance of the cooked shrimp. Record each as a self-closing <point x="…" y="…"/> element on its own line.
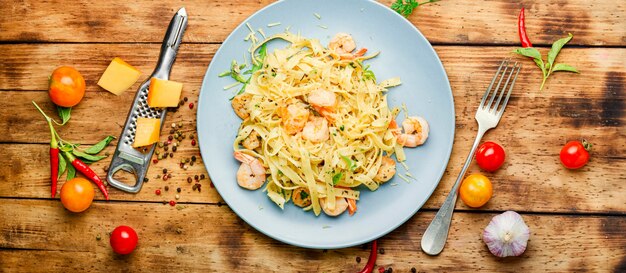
<point x="415" y="132"/>
<point x="386" y="171"/>
<point x="340" y="206"/>
<point x="301" y="197"/>
<point x="324" y="102"/>
<point x="252" y="141"/>
<point x="240" y="105"/>
<point x="342" y="43"/>
<point x="294" y="117"/>
<point x="251" y="173"/>
<point x="316" y="130"/>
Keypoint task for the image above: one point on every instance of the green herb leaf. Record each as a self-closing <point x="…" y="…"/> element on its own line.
<point x="556" y="48"/>
<point x="224" y="74"/>
<point x="350" y="162"/>
<point x="66" y="148"/>
<point x="564" y="67"/>
<point x="528" y="52"/>
<point x="100" y="145"/>
<point x="406" y="7"/>
<point x="64" y="113"/>
<point x="62" y="165"/>
<point x="88" y="157"/>
<point x="337" y="177"/>
<point x="303" y="195"/>
<point x="71" y="172"/>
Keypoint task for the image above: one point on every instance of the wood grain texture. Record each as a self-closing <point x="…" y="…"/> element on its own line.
<point x="451" y="21"/>
<point x="589" y="105"/>
<point x="212" y="238"/>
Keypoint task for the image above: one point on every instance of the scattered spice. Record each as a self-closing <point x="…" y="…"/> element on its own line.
<point x="413" y="270"/>
<point x="193" y="158"/>
<point x="167" y="188"/>
<point x="193" y="142"/>
<point x="358" y="259"/>
<point x="174" y="149"/>
<point x="145" y="179"/>
<point x="381" y="251"/>
<point x="165" y="178"/>
<point x="172" y="203"/>
<point x="202" y="176"/>
<point x="98" y="237"/>
<point x="157" y="192"/>
<point x="170" y="137"/>
<point x="171" y="154"/>
<point x="164" y="170"/>
<point x="177" y="197"/>
<point x="185" y="99"/>
<point x="191" y="105"/>
<point x="189" y="179"/>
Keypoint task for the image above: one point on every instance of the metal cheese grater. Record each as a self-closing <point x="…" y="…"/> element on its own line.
<point x="126" y="157"/>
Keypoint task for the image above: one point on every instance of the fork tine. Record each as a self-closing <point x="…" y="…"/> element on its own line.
<point x="508" y="79"/>
<point x="508" y="95"/>
<point x="495" y="93"/>
<point x="482" y="102"/>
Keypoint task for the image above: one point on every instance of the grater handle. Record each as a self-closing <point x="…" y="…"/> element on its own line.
<point x="121" y="164"/>
<point x="171" y="42"/>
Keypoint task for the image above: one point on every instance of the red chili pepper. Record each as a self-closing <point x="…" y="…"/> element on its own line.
<point x="54" y="153"/>
<point x="521" y="28"/>
<point x="88" y="172"/>
<point x="371" y="261"/>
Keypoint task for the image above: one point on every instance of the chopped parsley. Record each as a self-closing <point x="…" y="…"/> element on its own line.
<point x="337" y="177"/>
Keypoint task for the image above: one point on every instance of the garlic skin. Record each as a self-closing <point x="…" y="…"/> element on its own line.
<point x="507" y="234"/>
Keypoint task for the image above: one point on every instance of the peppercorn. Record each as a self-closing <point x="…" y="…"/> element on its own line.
<point x="165" y="143"/>
<point x="381" y="251"/>
<point x="172" y="203"/>
<point x="157" y="152"/>
<point x="358" y="259"/>
<point x="191" y="136"/>
<point x="381" y="269"/>
<point x="189" y="179"/>
<point x="174" y="149"/>
<point x="178" y="189"/>
<point x="179" y="138"/>
<point x="169" y="175"/>
<point x="191" y="163"/>
<point x="157" y="192"/>
<point x="161" y="144"/>
<point x="173" y="125"/>
<point x="98" y="237"/>
<point x="145" y="179"/>
<point x="164" y="170"/>
<point x="165" y="154"/>
<point x="180" y="125"/>
<point x="181" y="102"/>
<point x="155" y="161"/>
<point x="185" y="167"/>
<point x="185" y="99"/>
<point x="390" y="270"/>
<point x="158" y="176"/>
<point x="194" y="187"/>
<point x="167" y="188"/>
<point x="171" y="131"/>
<point x="193" y="142"/>
<point x="165" y="178"/>
<point x="170" y="137"/>
<point x="202" y="176"/>
<point x="171" y="155"/>
<point x="196" y="177"/>
<point x="186" y="160"/>
<point x="106" y="169"/>
<point x="413" y="270"/>
<point x="177" y="197"/>
<point x="191" y="105"/>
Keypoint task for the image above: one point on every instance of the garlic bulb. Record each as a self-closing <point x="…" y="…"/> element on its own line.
<point x="506" y="235"/>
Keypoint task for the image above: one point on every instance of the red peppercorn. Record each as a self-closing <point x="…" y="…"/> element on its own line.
<point x="155" y="161"/>
<point x="193" y="142"/>
<point x="381" y="269"/>
<point x="191" y="105"/>
<point x="165" y="177"/>
<point x="158" y="192"/>
<point x="172" y="203"/>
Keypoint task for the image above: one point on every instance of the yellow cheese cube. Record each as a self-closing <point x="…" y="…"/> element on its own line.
<point x="147" y="131"/>
<point x="119" y="76"/>
<point x="164" y="93"/>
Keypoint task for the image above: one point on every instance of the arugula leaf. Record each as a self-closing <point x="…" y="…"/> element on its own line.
<point x="406" y="7"/>
<point x="556" y="48"/>
<point x="337" y="177"/>
<point x="64" y="113"/>
<point x="62" y="166"/>
<point x="71" y="172"/>
<point x="100" y="145"/>
<point x="350" y="162"/>
<point x="564" y="67"/>
<point x="88" y="157"/>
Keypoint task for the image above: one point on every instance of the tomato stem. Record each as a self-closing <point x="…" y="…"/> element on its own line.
<point x="586" y="145"/>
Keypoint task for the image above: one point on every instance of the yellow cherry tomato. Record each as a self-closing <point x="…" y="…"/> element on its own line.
<point x="476" y="190"/>
<point x="77" y="194"/>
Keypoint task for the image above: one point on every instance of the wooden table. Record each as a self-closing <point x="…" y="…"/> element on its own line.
<point x="577" y="218"/>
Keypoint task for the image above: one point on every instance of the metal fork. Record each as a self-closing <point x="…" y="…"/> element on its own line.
<point x="488" y="115"/>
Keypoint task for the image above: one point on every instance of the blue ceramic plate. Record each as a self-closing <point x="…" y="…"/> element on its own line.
<point x="425" y="90"/>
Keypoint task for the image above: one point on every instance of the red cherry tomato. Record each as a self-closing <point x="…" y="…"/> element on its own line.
<point x="123" y="240"/>
<point x="490" y="156"/>
<point x="575" y="154"/>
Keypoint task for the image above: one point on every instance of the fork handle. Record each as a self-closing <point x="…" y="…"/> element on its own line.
<point x="435" y="236"/>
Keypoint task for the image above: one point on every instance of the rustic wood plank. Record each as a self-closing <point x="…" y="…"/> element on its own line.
<point x="527" y="130"/>
<point x="463" y="22"/>
<point x="42" y="236"/>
